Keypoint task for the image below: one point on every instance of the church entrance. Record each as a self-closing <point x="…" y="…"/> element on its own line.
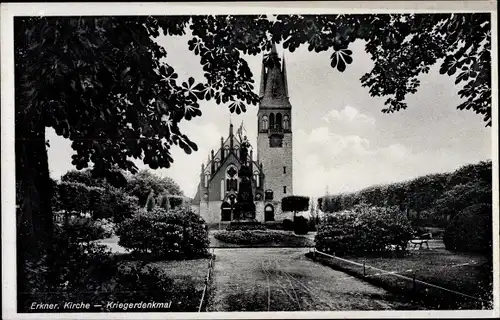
<point x="225" y="211"/>
<point x="269" y="212"/>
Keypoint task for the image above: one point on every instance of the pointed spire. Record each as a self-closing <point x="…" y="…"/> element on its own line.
<point x="262" y="79"/>
<point x="285" y="80"/>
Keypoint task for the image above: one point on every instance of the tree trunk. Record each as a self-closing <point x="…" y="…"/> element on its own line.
<point x="34" y="219"/>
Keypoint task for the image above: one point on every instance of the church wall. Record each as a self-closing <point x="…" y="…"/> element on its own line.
<point x="259" y="211"/>
<point x="210" y="211"/>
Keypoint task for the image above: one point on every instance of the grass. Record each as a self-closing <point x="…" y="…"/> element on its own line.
<point x="259" y="238"/>
<point x="187" y="278"/>
<point x="466" y="273"/>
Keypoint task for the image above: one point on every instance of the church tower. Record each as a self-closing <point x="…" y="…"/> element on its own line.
<point x="274" y="141"/>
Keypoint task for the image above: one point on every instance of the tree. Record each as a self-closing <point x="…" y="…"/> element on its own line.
<point x="144" y="182"/>
<point x="295" y="204"/>
<point x="107" y="87"/>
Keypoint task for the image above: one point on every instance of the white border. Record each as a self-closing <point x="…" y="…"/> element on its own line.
<point x="8" y="11"/>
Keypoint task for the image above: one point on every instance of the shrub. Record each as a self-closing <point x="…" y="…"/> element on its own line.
<point x="363" y="230"/>
<point x="300" y="225"/>
<point x="287" y="225"/>
<point x="311" y="225"/>
<point x="85" y="229"/>
<point x="274" y="225"/>
<point x="248" y="236"/>
<point x="141" y="282"/>
<point x="176" y="234"/>
<point x="470" y="230"/>
<point x="261" y="237"/>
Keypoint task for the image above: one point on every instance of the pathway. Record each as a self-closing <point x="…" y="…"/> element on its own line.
<point x="283" y="279"/>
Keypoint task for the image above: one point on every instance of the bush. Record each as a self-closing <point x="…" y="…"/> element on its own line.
<point x="141" y="282"/>
<point x="311" y="225"/>
<point x="300" y="225"/>
<point x="274" y="225"/>
<point x="73" y="266"/>
<point x="85" y="229"/>
<point x="363" y="230"/>
<point x="470" y="230"/>
<point x="248" y="236"/>
<point x="172" y="235"/>
<point x="287" y="225"/>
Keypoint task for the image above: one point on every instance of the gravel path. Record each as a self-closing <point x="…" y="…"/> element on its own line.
<point x="283" y="279"/>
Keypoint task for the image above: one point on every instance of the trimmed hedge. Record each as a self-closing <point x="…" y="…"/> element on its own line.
<point x="173" y="235"/>
<point x="249" y="236"/>
<point x="287" y="225"/>
<point x="363" y="230"/>
<point x="470" y="230"/>
<point x="300" y="225"/>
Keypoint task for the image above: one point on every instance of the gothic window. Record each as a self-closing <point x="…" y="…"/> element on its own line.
<point x="222" y="189"/>
<point x="271" y="121"/>
<point x="286" y="122"/>
<point x="257" y="179"/>
<point x="231" y="179"/>
<point x="269" y="195"/>
<point x="279" y="120"/>
<point x="265" y="123"/>
<point x="206" y="180"/>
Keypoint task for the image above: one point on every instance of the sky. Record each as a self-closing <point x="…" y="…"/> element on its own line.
<point x="341" y="140"/>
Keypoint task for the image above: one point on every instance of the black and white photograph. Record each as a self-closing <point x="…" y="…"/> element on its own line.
<point x="259" y="160"/>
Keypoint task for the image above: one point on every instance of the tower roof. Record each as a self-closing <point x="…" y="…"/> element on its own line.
<point x="274" y="84"/>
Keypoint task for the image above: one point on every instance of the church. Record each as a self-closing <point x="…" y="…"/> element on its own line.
<point x="271" y="166"/>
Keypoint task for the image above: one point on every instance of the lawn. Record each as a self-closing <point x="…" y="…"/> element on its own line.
<point x="466" y="273"/>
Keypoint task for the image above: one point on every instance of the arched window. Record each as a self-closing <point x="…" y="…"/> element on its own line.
<point x="265" y="123"/>
<point x="286" y="122"/>
<point x="222" y="189"/>
<point x="269" y="212"/>
<point x="206" y="180"/>
<point x="279" y="121"/>
<point x="271" y="121"/>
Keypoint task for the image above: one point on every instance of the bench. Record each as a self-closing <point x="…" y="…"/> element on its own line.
<point x="421" y="240"/>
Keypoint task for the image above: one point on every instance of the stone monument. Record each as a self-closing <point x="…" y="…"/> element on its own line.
<point x="244" y="214"/>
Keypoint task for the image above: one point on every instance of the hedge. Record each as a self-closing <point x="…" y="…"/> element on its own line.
<point x="363" y="230"/>
<point x="170" y="235"/>
<point x="470" y="230"/>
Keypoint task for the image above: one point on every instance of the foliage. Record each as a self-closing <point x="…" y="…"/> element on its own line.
<point x="274" y="225"/>
<point x="173" y="235"/>
<point x="85" y="177"/>
<point x="300" y="225"/>
<point x="116" y="205"/>
<point x="363" y="230"/>
<point x="139" y="282"/>
<point x="432" y="198"/>
<point x="471" y="230"/>
<point x="71" y="265"/>
<point x="287" y="224"/>
<point x="260" y="237"/>
<point x="78" y="198"/>
<point x="295" y="203"/>
<point x="84" y="229"/>
<point x="143" y="183"/>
